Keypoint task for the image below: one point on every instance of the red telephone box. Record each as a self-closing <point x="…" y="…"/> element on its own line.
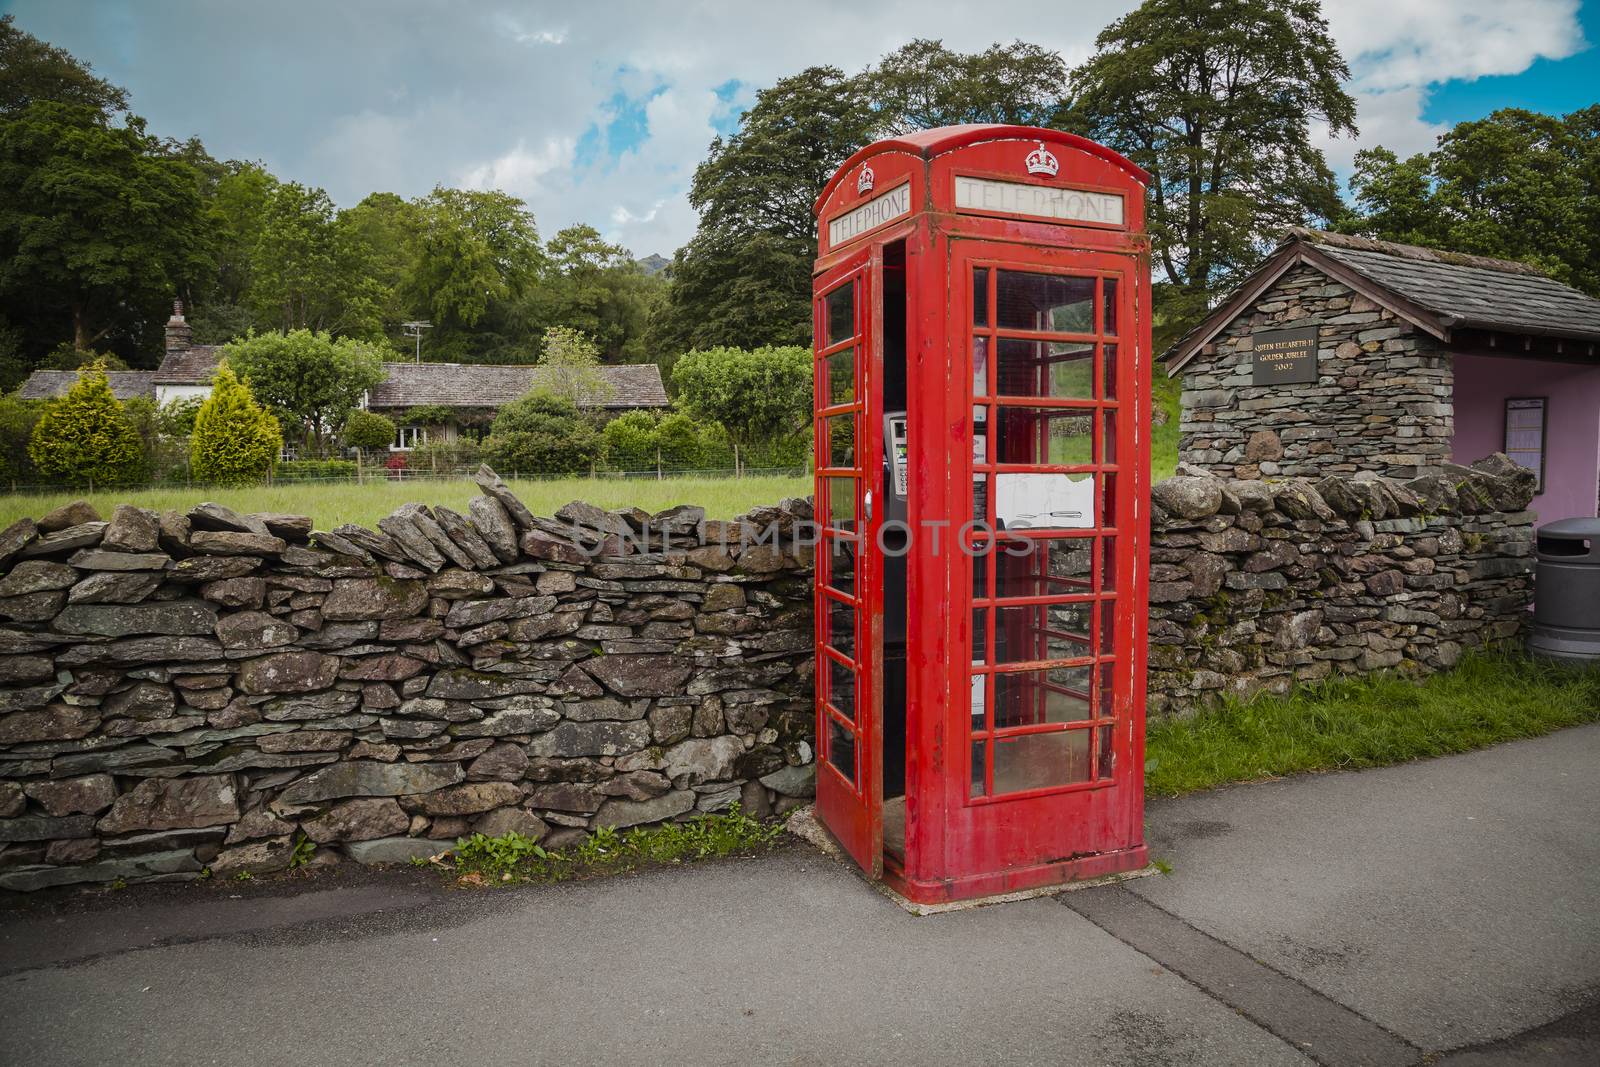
<point x="982" y="316"/>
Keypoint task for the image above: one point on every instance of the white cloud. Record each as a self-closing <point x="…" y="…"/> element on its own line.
<point x="520" y="170"/>
<point x="442" y="91"/>
<point x="1397" y="49"/>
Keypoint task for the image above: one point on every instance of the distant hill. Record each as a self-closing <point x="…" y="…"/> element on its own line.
<point x="654" y="263"/>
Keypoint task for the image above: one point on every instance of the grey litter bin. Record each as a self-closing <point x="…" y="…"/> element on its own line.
<point x="1566" y="591"/>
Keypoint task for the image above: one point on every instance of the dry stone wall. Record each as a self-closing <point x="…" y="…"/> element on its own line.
<point x="204" y="690"/>
<point x="1381" y="402"/>
<point x="1260" y="585"/>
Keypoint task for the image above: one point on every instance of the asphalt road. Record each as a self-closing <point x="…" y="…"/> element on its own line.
<point x="1448" y="910"/>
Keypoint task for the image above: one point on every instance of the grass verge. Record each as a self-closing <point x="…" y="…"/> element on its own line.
<point x="1369" y="722"/>
<point x="513" y="858"/>
<point x="331" y="504"/>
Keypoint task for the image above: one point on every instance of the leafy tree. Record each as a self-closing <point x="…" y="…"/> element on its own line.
<point x="64" y="357"/>
<point x="17" y="420"/>
<point x="572" y="368"/>
<point x="235" y="442"/>
<point x="754" y="396"/>
<point x="630" y="441"/>
<point x="237" y="206"/>
<point x="177" y="416"/>
<point x="31" y="70"/>
<point x="85" y="438"/>
<point x="680" y="442"/>
<point x="473" y="249"/>
<point x="542" y="434"/>
<point x="307" y="377"/>
<point x="1216" y="99"/>
<point x="924" y="84"/>
<point x="596" y="287"/>
<point x="294" y="283"/>
<point x="367" y="429"/>
<point x="745" y="277"/>
<point x="1515" y="185"/>
<point x="99" y="224"/>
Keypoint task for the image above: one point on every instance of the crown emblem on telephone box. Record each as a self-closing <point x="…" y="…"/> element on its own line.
<point x="864" y="179"/>
<point x="1041" y="161"/>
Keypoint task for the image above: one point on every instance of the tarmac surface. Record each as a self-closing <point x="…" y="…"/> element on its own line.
<point x="1442" y="912"/>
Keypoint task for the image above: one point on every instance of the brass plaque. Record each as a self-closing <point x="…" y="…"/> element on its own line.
<point x="1284" y="357"/>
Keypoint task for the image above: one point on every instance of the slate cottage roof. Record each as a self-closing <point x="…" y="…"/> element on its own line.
<point x="488" y="385"/>
<point x="125" y="384"/>
<point x="456" y="385"/>
<point x="1441" y="292"/>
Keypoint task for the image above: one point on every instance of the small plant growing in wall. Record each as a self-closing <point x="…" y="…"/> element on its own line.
<point x="235" y="442"/>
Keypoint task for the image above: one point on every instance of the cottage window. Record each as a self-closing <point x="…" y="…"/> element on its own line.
<point x="1525" y="433"/>
<point x="408" y="437"/>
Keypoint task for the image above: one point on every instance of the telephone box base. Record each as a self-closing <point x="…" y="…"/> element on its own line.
<point x="1019" y="879"/>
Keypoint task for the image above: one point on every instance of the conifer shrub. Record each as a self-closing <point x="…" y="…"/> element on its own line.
<point x="85" y="438"/>
<point x="235" y="442"/>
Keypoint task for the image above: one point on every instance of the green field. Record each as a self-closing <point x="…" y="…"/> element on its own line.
<point x="331" y="504"/>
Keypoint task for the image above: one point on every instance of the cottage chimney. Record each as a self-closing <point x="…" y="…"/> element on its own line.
<point x="180" y="335"/>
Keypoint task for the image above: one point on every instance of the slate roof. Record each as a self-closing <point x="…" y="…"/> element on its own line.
<point x="189" y="366"/>
<point x="1439" y="291"/>
<point x="456" y="385"/>
<point x="125" y="384"/>
<point x="487" y="385"/>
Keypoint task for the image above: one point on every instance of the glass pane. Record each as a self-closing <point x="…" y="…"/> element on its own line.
<point x="1025" y="501"/>
<point x="979" y="690"/>
<point x="980" y="372"/>
<point x="1108" y="357"/>
<point x="1045" y="302"/>
<point x="842" y="749"/>
<point x="1044" y="566"/>
<point x="1032" y="633"/>
<point x="980" y="569"/>
<point x="841" y="628"/>
<point x="1105" y="760"/>
<point x="842" y="565"/>
<point x="1039" y="761"/>
<point x="980" y="622"/>
<point x="842" y="688"/>
<point x="1108" y="627"/>
<point x="841" y="494"/>
<point x="841" y="312"/>
<point x="1063" y="369"/>
<point x="841" y="377"/>
<point x="1106" y="692"/>
<point x="1108" y="564"/>
<point x="977" y="769"/>
<point x="980" y="297"/>
<point x="841" y="441"/>
<point x="1108" y="437"/>
<point x="1108" y="500"/>
<point x="1057" y="436"/>
<point x="1111" y="306"/>
<point x="1031" y="698"/>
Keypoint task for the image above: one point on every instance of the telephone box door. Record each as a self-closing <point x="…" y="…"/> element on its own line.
<point x="1053" y="738"/>
<point x="849" y="602"/>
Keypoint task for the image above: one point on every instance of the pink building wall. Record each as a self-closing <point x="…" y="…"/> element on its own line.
<point x="1572" y="424"/>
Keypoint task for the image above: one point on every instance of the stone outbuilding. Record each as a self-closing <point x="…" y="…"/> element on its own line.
<point x="1341" y="355"/>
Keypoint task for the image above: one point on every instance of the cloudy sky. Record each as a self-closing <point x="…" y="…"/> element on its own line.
<point x="598" y="111"/>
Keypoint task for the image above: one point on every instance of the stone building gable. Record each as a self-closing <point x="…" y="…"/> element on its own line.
<point x="1382" y="401"/>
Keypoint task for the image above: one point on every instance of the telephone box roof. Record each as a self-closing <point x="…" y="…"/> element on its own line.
<point x="942" y="139"/>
